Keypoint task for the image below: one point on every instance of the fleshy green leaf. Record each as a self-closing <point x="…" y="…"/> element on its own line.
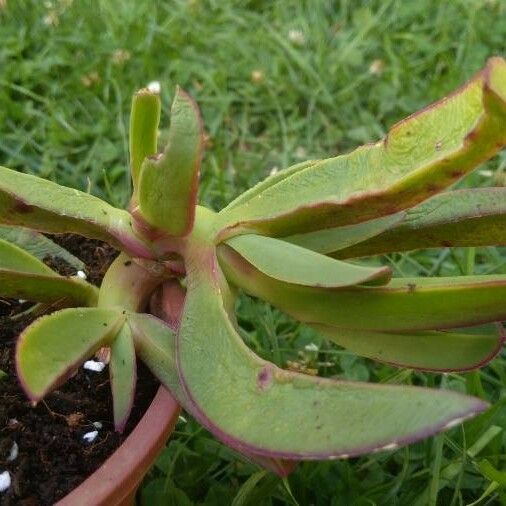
<point x="421" y="156"/>
<point x="144" y="120"/>
<point x="22" y="276"/>
<point x="403" y="304"/>
<point x="13" y="258"/>
<point x="51" y="348"/>
<point x="426" y="350"/>
<point x="38" y="245"/>
<point x="292" y="264"/>
<point x="36" y="203"/>
<point x="330" y="240"/>
<point x="51" y="288"/>
<point x="475" y="217"/>
<point x="290" y="415"/>
<point x="123" y="374"/>
<point x="155" y="345"/>
<point x="127" y="284"/>
<point x="269" y="181"/>
<point x="168" y="183"/>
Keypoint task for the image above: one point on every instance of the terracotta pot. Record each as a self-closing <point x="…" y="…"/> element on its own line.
<point x="116" y="481"/>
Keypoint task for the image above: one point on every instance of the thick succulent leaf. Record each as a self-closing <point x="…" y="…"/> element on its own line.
<point x="292" y="264"/>
<point x="168" y="183"/>
<point x="52" y="347"/>
<point x="36" y="203"/>
<point x="144" y="120"/>
<point x="155" y="345"/>
<point x="403" y="304"/>
<point x="127" y="284"/>
<point x="47" y="288"/>
<point x="254" y="406"/>
<point x="38" y="245"/>
<point x="22" y="276"/>
<point x="269" y="181"/>
<point x="426" y="350"/>
<point x="123" y="374"/>
<point x="13" y="258"/>
<point x="475" y="217"/>
<point x="333" y="239"/>
<point x="419" y="157"/>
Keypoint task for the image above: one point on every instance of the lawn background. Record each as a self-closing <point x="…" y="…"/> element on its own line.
<point x="277" y="82"/>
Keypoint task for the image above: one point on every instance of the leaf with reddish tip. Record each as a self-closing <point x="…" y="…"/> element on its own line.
<point x="38" y="245"/>
<point x="474" y="217"/>
<point x="420" y="156"/>
<point x="52" y="347"/>
<point x="155" y="345"/>
<point x="144" y="120"/>
<point x="123" y="374"/>
<point x="42" y="205"/>
<point x="22" y="276"/>
<point x="256" y="407"/>
<point x="425" y="350"/>
<point x="168" y="183"/>
<point x="403" y="304"/>
<point x="292" y="264"/>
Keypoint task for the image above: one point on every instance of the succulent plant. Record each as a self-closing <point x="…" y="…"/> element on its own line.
<point x="169" y="297"/>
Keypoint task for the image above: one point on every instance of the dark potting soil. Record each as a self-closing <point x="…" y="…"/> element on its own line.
<point x="53" y="458"/>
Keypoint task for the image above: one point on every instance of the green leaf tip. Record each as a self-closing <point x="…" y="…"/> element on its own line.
<point x="23" y="276"/>
<point x="438" y="351"/>
<point x="168" y="182"/>
<point x="295" y="265"/>
<point x="52" y="347"/>
<point x="123" y="376"/>
<point x="144" y="120"/>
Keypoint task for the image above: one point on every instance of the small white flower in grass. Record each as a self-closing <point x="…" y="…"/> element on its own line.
<point x="257" y="76"/>
<point x="13" y="454"/>
<point x="154" y="87"/>
<point x="301" y="153"/>
<point x="89" y="437"/>
<point x="296" y="37"/>
<point x="5" y="481"/>
<point x="81" y="275"/>
<point x="94" y="365"/>
<point x="311" y="347"/>
<point x="376" y="68"/>
<point x="273" y="171"/>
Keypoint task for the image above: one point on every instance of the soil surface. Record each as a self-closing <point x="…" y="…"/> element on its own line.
<point x="52" y="456"/>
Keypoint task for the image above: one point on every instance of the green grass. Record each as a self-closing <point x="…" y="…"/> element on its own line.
<point x="277" y="82"/>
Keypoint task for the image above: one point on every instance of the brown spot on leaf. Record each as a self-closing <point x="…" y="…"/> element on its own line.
<point x="264" y="377"/>
<point x="21" y="207"/>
